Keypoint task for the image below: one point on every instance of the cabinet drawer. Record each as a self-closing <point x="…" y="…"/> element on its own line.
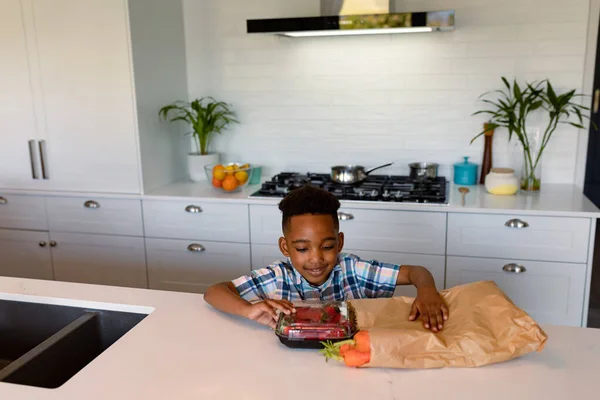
<point x="392" y="231"/>
<point x="100" y="216"/>
<point x="193" y="266"/>
<point x="99" y="259"/>
<point x="552" y="293"/>
<point x="196" y="221"/>
<point x="23" y="212"/>
<point x="543" y="238"/>
<point x="25" y="254"/>
<point x="264" y="255"/>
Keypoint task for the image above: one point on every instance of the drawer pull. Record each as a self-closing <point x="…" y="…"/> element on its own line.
<point x="3" y="201"/>
<point x="345" y="217"/>
<point x="43" y="244"/>
<point x="52" y="243"/>
<point x="196" y="248"/>
<point x="91" y="204"/>
<point x="514" y="268"/>
<point x="193" y="209"/>
<point x="517" y="224"/>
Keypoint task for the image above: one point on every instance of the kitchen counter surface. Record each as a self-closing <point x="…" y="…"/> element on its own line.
<point x="553" y="200"/>
<point x="186" y="350"/>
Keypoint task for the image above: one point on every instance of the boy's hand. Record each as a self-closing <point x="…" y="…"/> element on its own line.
<point x="265" y="312"/>
<point x="431" y="309"/>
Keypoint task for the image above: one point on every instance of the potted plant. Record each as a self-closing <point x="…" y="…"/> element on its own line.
<point x="514" y="108"/>
<point x="207" y="117"/>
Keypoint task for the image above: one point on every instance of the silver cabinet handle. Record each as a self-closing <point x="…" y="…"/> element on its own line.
<point x="32" y="157"/>
<point x="53" y="243"/>
<point x="196" y="248"/>
<point x="42" y="145"/>
<point x="3" y="201"/>
<point x="43" y="244"/>
<point x="193" y="209"/>
<point x="514" y="269"/>
<point x="345" y="217"/>
<point x="517" y="224"/>
<point x="91" y="204"/>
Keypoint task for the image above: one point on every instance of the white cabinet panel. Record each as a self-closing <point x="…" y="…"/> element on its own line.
<point x="196" y="220"/>
<point x="99" y="259"/>
<point x="89" y="215"/>
<point x="17" y="119"/>
<point x="86" y="73"/>
<point x="391" y="231"/>
<point x="173" y="266"/>
<point x="264" y="255"/>
<point x="23" y="212"/>
<point x="552" y="293"/>
<point x="25" y="254"/>
<point x="545" y="238"/>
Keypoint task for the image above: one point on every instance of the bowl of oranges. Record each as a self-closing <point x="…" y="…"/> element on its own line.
<point x="231" y="177"/>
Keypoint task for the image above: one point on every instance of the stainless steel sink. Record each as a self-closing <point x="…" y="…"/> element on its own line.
<point x="45" y="345"/>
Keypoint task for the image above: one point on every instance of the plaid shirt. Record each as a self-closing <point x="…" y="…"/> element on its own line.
<point x="351" y="278"/>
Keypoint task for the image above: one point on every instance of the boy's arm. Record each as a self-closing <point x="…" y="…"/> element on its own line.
<point x="428" y="304"/>
<point x="224" y="297"/>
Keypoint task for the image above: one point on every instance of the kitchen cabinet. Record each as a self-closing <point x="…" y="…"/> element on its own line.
<point x="17" y="117"/>
<point x="369" y="230"/>
<point x="193" y="266"/>
<point x="81" y="83"/>
<point x="25" y="254"/>
<point x="263" y="255"/>
<point x="552" y="293"/>
<point x="99" y="259"/>
<point x="196" y="220"/>
<point x="520" y="236"/>
<point x="23" y="212"/>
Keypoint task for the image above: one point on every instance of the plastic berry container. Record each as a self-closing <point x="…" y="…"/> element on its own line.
<point x="313" y="323"/>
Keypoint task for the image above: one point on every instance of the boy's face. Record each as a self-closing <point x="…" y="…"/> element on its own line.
<point x="313" y="243"/>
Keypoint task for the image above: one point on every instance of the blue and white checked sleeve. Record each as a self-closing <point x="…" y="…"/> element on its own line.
<point x="261" y="284"/>
<point x="376" y="279"/>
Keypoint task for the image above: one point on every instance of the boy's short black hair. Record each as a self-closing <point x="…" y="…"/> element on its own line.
<point x="309" y="200"/>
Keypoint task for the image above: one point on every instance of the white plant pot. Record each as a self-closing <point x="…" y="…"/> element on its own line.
<point x="196" y="163"/>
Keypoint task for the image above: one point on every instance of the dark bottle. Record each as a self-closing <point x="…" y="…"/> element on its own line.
<point x="486" y="165"/>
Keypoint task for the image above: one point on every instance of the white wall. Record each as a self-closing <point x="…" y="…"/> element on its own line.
<point x="306" y="104"/>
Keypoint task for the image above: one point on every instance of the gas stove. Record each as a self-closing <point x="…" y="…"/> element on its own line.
<point x="396" y="189"/>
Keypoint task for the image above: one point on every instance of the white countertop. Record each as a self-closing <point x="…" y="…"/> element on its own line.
<point x="186" y="350"/>
<point x="553" y="200"/>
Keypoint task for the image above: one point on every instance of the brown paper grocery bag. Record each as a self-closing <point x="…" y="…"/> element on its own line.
<point x="484" y="327"/>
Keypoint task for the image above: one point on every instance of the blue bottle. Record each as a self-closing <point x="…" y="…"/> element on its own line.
<point x="465" y="173"/>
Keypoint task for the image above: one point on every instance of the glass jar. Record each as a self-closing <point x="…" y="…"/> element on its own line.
<point x="502" y="181"/>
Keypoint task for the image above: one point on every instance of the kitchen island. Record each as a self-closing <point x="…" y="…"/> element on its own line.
<point x="186" y="350"/>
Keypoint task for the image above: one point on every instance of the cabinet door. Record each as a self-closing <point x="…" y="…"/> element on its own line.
<point x="552" y="293"/>
<point x="264" y="255"/>
<point x="17" y="120"/>
<point x="99" y="259"/>
<point x="84" y="64"/>
<point x="188" y="266"/>
<point x="25" y="254"/>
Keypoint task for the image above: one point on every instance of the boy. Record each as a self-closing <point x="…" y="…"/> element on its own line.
<point x="315" y="269"/>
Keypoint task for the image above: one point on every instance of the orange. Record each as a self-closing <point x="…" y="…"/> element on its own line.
<point x="241" y="176"/>
<point x="230" y="183"/>
<point x="217" y="183"/>
<point x="219" y="172"/>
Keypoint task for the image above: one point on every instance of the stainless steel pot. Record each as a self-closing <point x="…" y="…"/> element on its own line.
<point x="350" y="174"/>
<point x="423" y="170"/>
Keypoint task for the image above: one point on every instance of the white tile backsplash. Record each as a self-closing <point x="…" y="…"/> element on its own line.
<point x="306" y="104"/>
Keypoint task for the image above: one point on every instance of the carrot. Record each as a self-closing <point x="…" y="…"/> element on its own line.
<point x="355" y="358"/>
<point x="354" y="352"/>
<point x="363" y="342"/>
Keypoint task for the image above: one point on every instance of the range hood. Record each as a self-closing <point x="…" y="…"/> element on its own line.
<point x="362" y="24"/>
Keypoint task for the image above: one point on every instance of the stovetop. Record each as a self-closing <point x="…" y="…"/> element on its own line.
<point x="397" y="189"/>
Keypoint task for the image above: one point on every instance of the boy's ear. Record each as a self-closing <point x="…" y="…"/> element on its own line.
<point x="340" y="242"/>
<point x="283" y="247"/>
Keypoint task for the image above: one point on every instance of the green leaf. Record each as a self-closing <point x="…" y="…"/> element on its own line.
<point x="506" y="82"/>
<point x="577" y="125"/>
<point x="517" y="91"/>
<point x="551" y="95"/>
